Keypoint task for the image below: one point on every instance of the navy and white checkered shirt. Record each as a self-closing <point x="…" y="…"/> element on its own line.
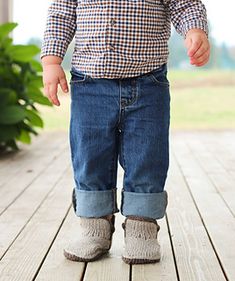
<point x="118" y="38"/>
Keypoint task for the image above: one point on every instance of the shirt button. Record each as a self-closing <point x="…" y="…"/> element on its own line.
<point x="113" y="21"/>
<point x="111" y="47"/>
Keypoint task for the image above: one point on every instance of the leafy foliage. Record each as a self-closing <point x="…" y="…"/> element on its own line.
<point x="20" y="89"/>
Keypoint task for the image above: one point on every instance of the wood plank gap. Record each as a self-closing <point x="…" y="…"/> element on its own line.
<point x="84" y="271"/>
<point x="225" y="149"/>
<point x="194" y="254"/>
<point x="202" y="220"/>
<point x="165" y="269"/>
<point x="110" y="267"/>
<point x="14" y="230"/>
<point x="52" y="242"/>
<point x="22" y="260"/>
<point x="13" y="164"/>
<point x="10" y="196"/>
<point x="210" y="175"/>
<point x="55" y="265"/>
<point x="172" y="247"/>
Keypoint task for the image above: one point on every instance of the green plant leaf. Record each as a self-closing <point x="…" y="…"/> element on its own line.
<point x="12" y="143"/>
<point x="12" y="114"/>
<point x="36" y="65"/>
<point x="6" y="43"/>
<point x="23" y="53"/>
<point x="36" y="95"/>
<point x="36" y="82"/>
<point x="41" y="100"/>
<point x="34" y="118"/>
<point x="26" y="127"/>
<point x="7" y="96"/>
<point x="20" y="89"/>
<point x="3" y="97"/>
<point x="24" y="137"/>
<point x="12" y="97"/>
<point x="8" y="132"/>
<point x="6" y="28"/>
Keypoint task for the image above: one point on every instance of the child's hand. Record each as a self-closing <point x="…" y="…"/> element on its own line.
<point x="198" y="46"/>
<point x="53" y="74"/>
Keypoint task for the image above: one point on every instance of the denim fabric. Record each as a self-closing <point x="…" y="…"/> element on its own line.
<point x="126" y="121"/>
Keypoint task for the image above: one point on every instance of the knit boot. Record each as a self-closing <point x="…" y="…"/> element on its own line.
<point x="141" y="244"/>
<point x="93" y="241"/>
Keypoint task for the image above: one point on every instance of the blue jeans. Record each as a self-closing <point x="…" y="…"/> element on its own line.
<point x="125" y="120"/>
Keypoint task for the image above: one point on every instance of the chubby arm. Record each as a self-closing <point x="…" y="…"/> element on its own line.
<point x="59" y="32"/>
<point x="189" y="17"/>
<point x="60" y="28"/>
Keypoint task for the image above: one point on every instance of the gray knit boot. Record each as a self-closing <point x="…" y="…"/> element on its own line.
<point x="93" y="241"/>
<point x="141" y="244"/>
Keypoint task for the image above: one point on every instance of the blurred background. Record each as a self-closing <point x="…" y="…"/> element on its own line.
<point x="201" y="97"/>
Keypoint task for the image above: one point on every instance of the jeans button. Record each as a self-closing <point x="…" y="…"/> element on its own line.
<point x="123" y="103"/>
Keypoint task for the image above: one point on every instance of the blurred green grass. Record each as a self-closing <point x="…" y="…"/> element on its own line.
<point x="203" y="108"/>
<point x="200" y="99"/>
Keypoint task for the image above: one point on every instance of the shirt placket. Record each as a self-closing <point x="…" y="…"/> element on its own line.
<point x="110" y="36"/>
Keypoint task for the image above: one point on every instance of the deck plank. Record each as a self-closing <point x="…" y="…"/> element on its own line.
<point x="9" y="161"/>
<point x="217" y="217"/>
<point x="111" y="267"/>
<point x="222" y="145"/>
<point x="199" y="224"/>
<point x="14" y="163"/>
<point x="221" y="178"/>
<point x="56" y="266"/>
<point x="195" y="257"/>
<point x="163" y="270"/>
<point x="23" y="258"/>
<point x="29" y="169"/>
<point x="14" y="219"/>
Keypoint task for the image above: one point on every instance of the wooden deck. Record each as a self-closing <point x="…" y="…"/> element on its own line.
<point x="197" y="234"/>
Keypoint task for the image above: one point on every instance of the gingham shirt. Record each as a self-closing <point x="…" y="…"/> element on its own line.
<point x="118" y="38"/>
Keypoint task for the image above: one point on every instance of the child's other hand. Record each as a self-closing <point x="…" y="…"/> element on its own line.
<point x="53" y="74"/>
<point x="198" y="46"/>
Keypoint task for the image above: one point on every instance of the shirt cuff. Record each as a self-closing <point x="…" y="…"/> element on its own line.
<point x="195" y="24"/>
<point x="54" y="47"/>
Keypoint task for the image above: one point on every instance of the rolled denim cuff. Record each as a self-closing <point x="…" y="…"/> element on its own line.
<point x="96" y="203"/>
<point x="151" y="205"/>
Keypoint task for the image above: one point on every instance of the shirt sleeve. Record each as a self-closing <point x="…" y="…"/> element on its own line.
<point x="60" y="28"/>
<point x="187" y="14"/>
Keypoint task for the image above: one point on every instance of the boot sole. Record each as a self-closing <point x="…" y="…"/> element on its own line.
<point x="139" y="261"/>
<point x="76" y="258"/>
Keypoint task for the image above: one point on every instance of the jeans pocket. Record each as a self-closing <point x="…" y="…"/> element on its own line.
<point x="159" y="76"/>
<point x="77" y="77"/>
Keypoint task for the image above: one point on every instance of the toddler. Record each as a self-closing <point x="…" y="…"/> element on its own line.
<point x="120" y="112"/>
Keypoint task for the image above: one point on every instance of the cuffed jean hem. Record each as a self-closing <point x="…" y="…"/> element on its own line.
<point x="151" y="205"/>
<point x="96" y="203"/>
